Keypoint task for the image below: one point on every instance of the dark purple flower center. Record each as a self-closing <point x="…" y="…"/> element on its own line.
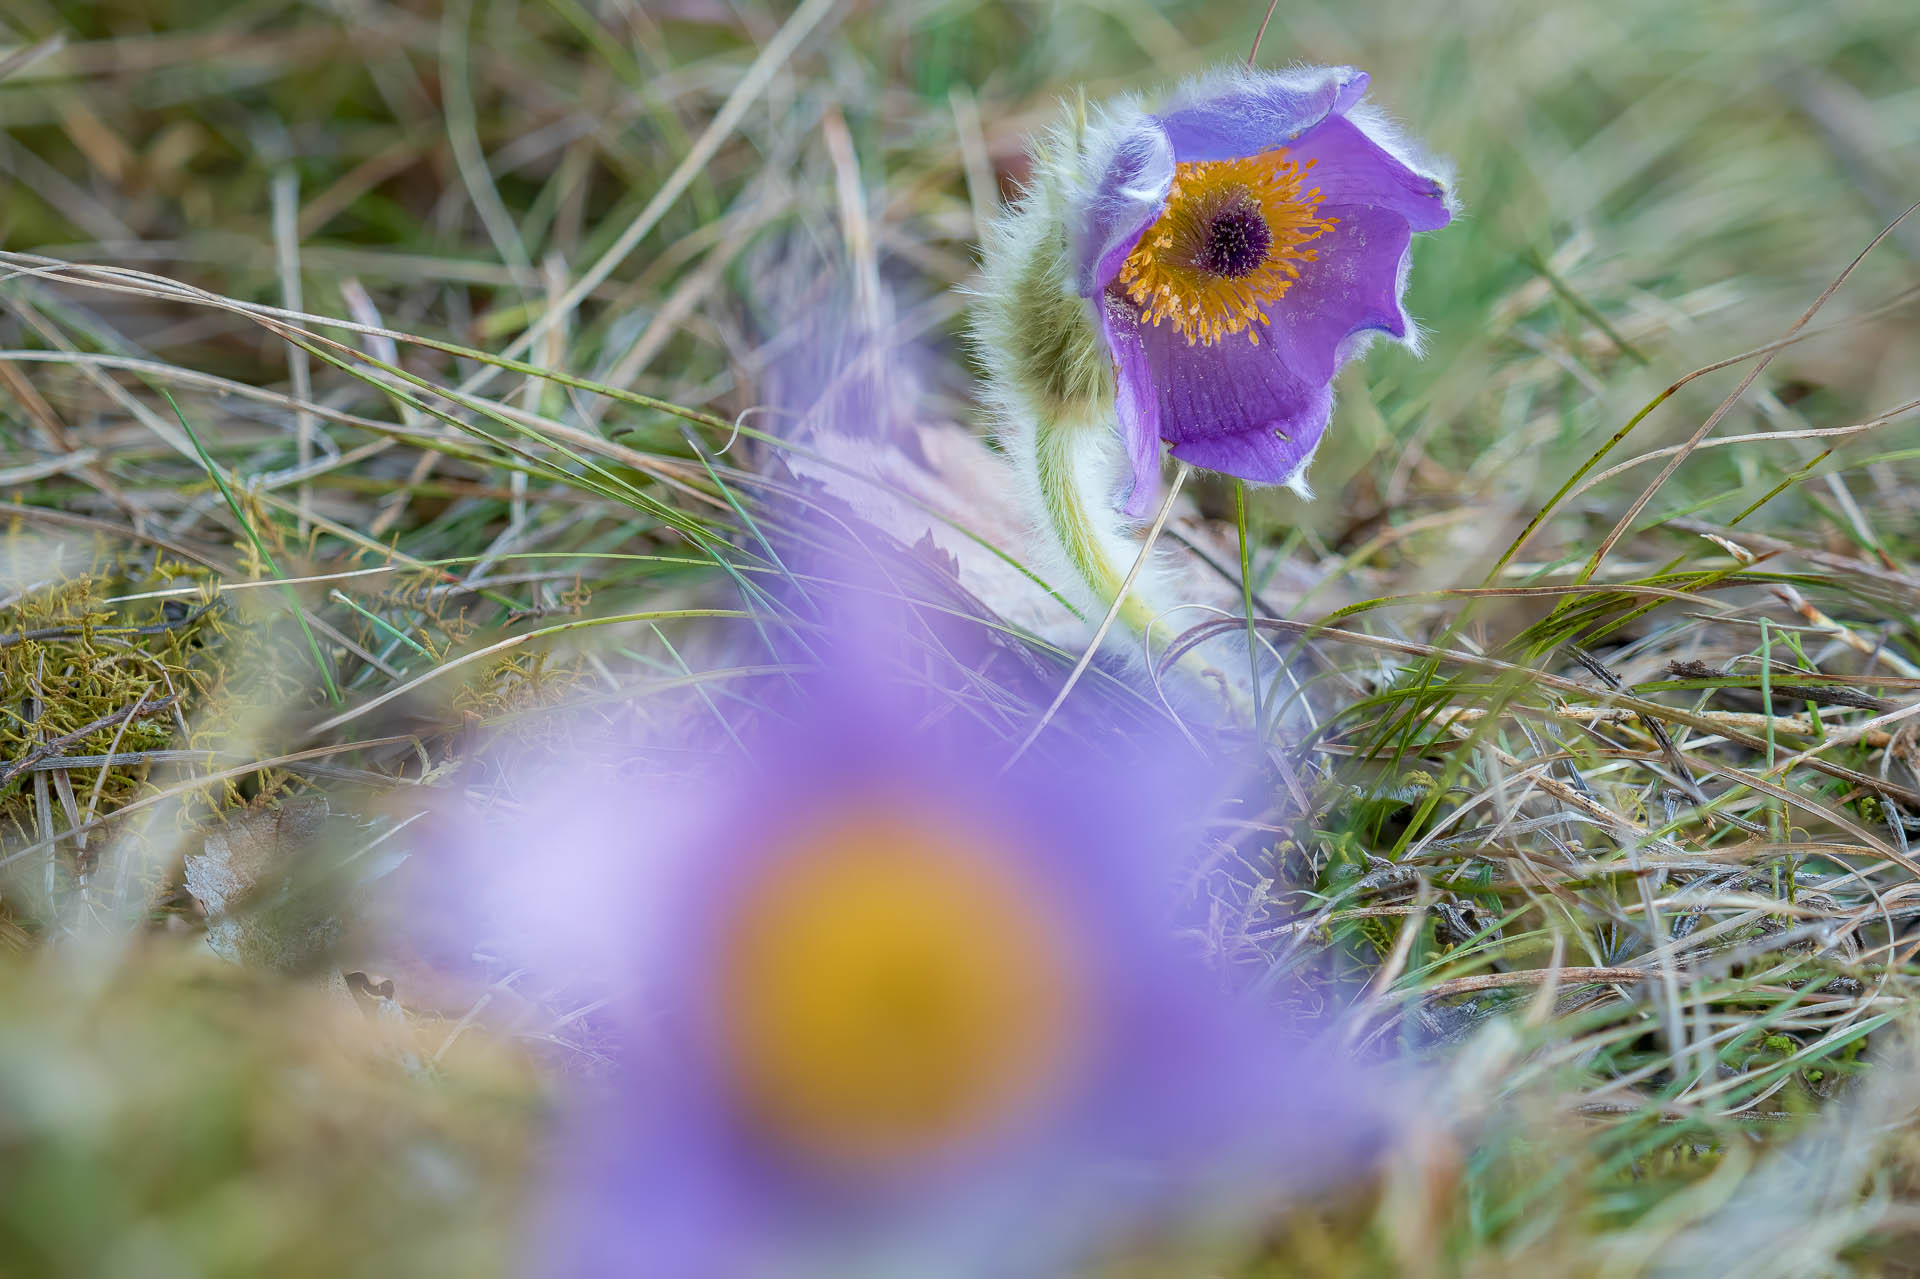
<point x="1237" y="241"/>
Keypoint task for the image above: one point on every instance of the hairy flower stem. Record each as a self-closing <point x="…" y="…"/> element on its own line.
<point x="1064" y="454"/>
<point x="1075" y="529"/>
<point x="1070" y="458"/>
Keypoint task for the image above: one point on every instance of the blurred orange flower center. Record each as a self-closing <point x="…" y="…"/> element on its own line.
<point x="1228" y="242"/>
<point x="892" y="993"/>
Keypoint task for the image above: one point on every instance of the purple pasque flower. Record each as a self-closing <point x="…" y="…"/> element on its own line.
<point x="1239" y="246"/>
<point x="888" y="1010"/>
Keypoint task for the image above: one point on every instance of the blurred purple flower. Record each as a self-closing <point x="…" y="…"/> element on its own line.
<point x="1239" y="247"/>
<point x="884" y="1009"/>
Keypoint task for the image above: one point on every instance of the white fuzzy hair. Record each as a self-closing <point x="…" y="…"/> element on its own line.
<point x="1037" y="337"/>
<point x="1047" y="366"/>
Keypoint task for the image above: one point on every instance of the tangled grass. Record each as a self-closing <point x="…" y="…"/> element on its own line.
<point x="380" y="377"/>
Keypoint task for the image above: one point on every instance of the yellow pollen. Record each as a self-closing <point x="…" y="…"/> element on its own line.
<point x="1202" y="264"/>
<point x="890" y="994"/>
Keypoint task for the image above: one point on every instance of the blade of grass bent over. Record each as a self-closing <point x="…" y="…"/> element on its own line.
<point x="259" y="548"/>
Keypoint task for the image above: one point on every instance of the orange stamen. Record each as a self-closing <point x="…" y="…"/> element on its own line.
<point x="1200" y="263"/>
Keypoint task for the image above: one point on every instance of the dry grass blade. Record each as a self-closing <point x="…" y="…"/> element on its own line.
<point x="1639" y="504"/>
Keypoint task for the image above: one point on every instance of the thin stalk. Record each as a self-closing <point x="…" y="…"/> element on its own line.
<point x="1123" y="604"/>
<point x="1060" y="452"/>
<point x="1246" y="592"/>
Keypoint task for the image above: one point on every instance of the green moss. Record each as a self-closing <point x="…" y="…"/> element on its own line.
<point x="94" y="680"/>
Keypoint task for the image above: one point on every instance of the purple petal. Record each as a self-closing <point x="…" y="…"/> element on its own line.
<point x="1132" y="191"/>
<point x="1259" y="111"/>
<point x="1352" y="285"/>
<point x="1350" y="168"/>
<point x="1135" y="404"/>
<point x="1258" y="411"/>
<point x="1235" y="407"/>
